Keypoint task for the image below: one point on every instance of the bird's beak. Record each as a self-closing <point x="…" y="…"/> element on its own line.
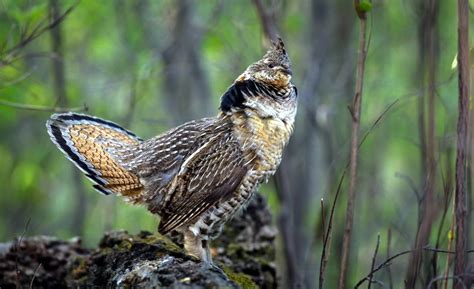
<point x="287" y="71"/>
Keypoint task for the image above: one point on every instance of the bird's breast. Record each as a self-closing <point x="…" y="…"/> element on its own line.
<point x="267" y="137"/>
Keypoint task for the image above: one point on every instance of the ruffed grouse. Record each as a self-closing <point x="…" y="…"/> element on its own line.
<point x="198" y="175"/>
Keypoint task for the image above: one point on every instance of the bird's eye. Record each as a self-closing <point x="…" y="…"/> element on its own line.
<point x="271" y="65"/>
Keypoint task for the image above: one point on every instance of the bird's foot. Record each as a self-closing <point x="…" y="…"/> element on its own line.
<point x="214" y="268"/>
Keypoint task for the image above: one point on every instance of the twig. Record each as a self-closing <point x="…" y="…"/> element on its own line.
<point x="388" y="260"/>
<point x="373" y="261"/>
<point x="462" y="130"/>
<point x="323" y="233"/>
<point x="17" y="248"/>
<point x="377" y="121"/>
<point x="428" y="248"/>
<point x="356" y="109"/>
<point x="385" y="263"/>
<point x="327" y="238"/>
<point x="411" y="184"/>
<point x="42" y="108"/>
<point x="17" y="80"/>
<point x="25" y="38"/>
<point x="34" y="275"/>
<point x="380" y="283"/>
<point x="389" y="272"/>
<point x="323" y="218"/>
<point x="457" y="278"/>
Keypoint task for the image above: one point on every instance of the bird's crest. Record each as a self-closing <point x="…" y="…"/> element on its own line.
<point x="277" y="54"/>
<point x="269" y="77"/>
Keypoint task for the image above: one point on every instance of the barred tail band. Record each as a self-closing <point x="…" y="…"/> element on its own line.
<point x="92" y="144"/>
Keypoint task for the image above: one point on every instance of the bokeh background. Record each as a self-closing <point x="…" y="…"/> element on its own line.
<point x="151" y="65"/>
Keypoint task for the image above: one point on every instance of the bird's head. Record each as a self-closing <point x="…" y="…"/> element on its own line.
<point x="273" y="69"/>
<point x="265" y="86"/>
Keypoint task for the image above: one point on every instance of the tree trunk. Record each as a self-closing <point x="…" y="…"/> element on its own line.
<point x="460" y="261"/>
<point x="428" y="46"/>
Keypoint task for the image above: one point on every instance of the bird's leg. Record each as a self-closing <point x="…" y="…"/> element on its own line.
<point x="197" y="247"/>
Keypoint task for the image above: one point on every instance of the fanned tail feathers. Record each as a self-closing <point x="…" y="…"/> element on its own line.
<point x="96" y="147"/>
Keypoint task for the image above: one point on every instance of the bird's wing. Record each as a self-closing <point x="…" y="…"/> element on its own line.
<point x="158" y="160"/>
<point x="208" y="177"/>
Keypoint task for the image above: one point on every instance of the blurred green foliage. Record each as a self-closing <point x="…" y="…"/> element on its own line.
<point x="108" y="55"/>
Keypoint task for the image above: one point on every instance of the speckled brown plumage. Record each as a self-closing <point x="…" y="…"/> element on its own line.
<point x="201" y="173"/>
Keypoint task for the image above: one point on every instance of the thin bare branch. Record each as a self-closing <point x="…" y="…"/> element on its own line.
<point x="26" y="38"/>
<point x="327" y="238"/>
<point x="411" y="184"/>
<point x="373" y="261"/>
<point x="428" y="248"/>
<point x="34" y="275"/>
<point x="356" y="113"/>
<point x="42" y="108"/>
<point x="381" y="266"/>
<point x="15" y="81"/>
<point x="377" y="121"/>
<point x="455" y="278"/>
<point x="17" y="249"/>
<point x="388" y="260"/>
<point x="323" y="218"/>
<point x="389" y="272"/>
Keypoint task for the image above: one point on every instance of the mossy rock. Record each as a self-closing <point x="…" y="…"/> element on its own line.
<point x="245" y="252"/>
<point x="243" y="280"/>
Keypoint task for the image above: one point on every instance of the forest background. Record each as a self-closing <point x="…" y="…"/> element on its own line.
<point x="151" y="65"/>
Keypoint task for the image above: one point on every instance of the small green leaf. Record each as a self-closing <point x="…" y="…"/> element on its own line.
<point x="365" y="6"/>
<point x="362" y="7"/>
